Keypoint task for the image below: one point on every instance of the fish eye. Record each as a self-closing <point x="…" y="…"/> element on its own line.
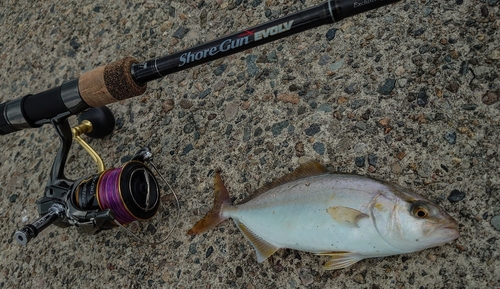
<point x="420" y="211"/>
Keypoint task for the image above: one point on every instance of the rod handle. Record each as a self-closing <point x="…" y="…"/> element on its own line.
<point x="109" y="83"/>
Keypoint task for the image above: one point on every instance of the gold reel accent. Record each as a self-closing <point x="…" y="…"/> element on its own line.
<point x="85" y="127"/>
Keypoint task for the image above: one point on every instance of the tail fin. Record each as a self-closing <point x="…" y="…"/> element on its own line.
<point x="214" y="217"/>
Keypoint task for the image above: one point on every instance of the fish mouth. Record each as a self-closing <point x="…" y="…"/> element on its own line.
<point x="451" y="230"/>
<point x="451" y="225"/>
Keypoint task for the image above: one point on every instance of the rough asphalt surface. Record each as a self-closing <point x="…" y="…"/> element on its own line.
<point x="408" y="93"/>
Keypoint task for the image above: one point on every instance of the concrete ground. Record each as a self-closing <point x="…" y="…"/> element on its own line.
<point x="408" y="93"/>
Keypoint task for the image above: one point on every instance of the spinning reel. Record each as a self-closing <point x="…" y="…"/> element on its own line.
<point x="110" y="198"/>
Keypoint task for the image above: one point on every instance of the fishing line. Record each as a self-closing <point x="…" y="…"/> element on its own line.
<point x="119" y="207"/>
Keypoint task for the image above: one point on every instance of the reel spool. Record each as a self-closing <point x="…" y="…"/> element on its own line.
<point x="130" y="192"/>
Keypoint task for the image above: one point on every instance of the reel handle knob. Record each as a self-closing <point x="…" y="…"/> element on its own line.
<point x="28" y="232"/>
<point x="102" y="119"/>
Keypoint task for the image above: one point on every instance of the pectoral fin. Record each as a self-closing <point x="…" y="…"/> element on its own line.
<point x="263" y="248"/>
<point x="346" y="215"/>
<point x="340" y="260"/>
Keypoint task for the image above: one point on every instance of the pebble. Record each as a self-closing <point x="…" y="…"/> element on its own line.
<point x="231" y="111"/>
<point x="350" y="89"/>
<point x="418" y="32"/>
<point x="464" y="67"/>
<point x="324" y="59"/>
<point x="305" y="277"/>
<point x="151" y="229"/>
<point x="469" y="106"/>
<point x="360" y="161"/>
<point x="13" y="198"/>
<point x="431" y="257"/>
<point x="417" y="60"/>
<point x="325" y="107"/>
<point x="387" y="87"/>
<point x="299" y="149"/>
<point x="289" y="98"/>
<point x="74" y="43"/>
<point x="220" y="69"/>
<point x="337" y="65"/>
<point x="252" y="68"/>
<point x="384" y="122"/>
<point x="180" y="32"/>
<point x="358" y="278"/>
<point x="396" y="168"/>
<point x="256" y="3"/>
<point x="272" y="57"/>
<point x="205" y="93"/>
<point x="278" y="127"/>
<point x="319" y="148"/>
<point x="490" y="97"/>
<point x="78" y="264"/>
<point x="239" y="271"/>
<point x="484" y="11"/>
<point x="372" y="160"/>
<point x="187" y="149"/>
<point x="453" y="87"/>
<point x="219" y="85"/>
<point x="357" y="103"/>
<point x="451" y="137"/>
<point x="209" y="252"/>
<point x="427" y="11"/>
<point x="495" y="222"/>
<point x="313" y="129"/>
<point x="330" y="35"/>
<point x="456" y="196"/>
<point x="422" y="98"/>
<point x="360" y="148"/>
<point x="168" y="105"/>
<point x="360" y="125"/>
<point x="185" y="104"/>
<point x="229" y="129"/>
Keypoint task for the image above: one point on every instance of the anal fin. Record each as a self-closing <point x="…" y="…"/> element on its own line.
<point x="263" y="248"/>
<point x="340" y="260"/>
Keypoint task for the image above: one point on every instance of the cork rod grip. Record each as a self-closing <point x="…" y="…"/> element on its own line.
<point x="109" y="83"/>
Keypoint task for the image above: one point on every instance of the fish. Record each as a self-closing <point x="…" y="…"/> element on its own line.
<point x="344" y="216"/>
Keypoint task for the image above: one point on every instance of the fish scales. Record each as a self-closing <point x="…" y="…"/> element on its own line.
<point x="347" y="217"/>
<point x="295" y="215"/>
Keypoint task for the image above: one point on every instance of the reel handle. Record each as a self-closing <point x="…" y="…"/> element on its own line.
<point x="102" y="120"/>
<point x="24" y="235"/>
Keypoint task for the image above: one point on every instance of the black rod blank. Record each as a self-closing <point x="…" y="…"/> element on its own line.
<point x="328" y="12"/>
<point x="127" y="77"/>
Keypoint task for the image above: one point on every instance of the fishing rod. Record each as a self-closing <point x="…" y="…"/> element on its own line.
<point x="117" y="196"/>
<point x="128" y="78"/>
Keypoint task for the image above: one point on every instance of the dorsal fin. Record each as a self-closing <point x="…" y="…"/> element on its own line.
<point x="308" y="169"/>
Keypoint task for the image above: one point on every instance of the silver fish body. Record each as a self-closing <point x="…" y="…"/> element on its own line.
<point x="348" y="217"/>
